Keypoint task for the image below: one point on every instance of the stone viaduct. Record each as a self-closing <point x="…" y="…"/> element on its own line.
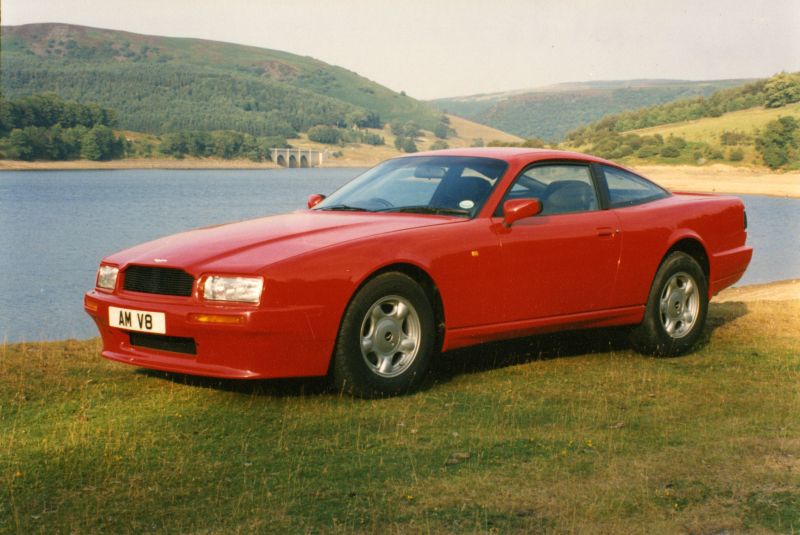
<point x="298" y="157"/>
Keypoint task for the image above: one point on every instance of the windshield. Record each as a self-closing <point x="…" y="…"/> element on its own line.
<point x="443" y="185"/>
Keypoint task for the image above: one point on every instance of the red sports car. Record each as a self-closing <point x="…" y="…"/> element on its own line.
<point x="423" y="254"/>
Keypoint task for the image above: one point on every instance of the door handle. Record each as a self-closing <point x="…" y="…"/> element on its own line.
<point x="607" y="232"/>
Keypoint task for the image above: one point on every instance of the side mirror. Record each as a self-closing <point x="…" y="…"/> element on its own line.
<point x="517" y="209"/>
<point x="314" y="199"/>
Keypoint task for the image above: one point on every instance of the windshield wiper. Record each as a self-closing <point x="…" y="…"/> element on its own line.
<point x="344" y="208"/>
<point x="425" y="209"/>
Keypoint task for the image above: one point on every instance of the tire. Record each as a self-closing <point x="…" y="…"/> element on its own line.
<point x="386" y="338"/>
<point x="676" y="308"/>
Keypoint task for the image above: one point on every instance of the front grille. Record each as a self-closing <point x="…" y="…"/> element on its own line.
<point x="158" y="280"/>
<point x="176" y="344"/>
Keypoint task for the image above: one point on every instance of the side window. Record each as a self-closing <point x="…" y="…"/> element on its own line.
<point x="627" y="189"/>
<point x="562" y="188"/>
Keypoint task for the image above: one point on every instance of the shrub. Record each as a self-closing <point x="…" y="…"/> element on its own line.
<point x="372" y="139"/>
<point x="736" y="155"/>
<point x="670" y="151"/>
<point x="409" y="145"/>
<point x="647" y="151"/>
<point x="733" y="138"/>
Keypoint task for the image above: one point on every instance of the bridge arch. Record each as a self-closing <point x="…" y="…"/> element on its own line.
<point x="298" y="157"/>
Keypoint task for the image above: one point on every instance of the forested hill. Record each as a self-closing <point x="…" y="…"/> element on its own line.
<point x="550" y="112"/>
<point x="162" y="84"/>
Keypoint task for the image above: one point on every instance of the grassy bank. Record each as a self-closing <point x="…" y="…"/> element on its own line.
<point x="559" y="434"/>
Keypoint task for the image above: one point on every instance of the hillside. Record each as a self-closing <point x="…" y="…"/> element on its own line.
<point x="755" y="123"/>
<point x="161" y="84"/>
<point x="550" y="112"/>
<point x="734" y="129"/>
<point x="745" y="121"/>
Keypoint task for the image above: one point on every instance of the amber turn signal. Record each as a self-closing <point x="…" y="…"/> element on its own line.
<point x="89" y="304"/>
<point x="225" y="319"/>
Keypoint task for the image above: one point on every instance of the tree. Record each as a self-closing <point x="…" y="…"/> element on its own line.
<point x="20" y="145"/>
<point x="410" y="129"/>
<point x="780" y="142"/>
<point x="782" y="89"/>
<point x="441" y="131"/>
<point x="325" y="134"/>
<point x="90" y="149"/>
<point x="409" y="145"/>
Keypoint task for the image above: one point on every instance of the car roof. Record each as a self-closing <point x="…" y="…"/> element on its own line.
<point x="514" y="154"/>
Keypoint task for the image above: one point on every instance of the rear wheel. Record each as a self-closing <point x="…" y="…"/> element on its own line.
<point x="676" y="308"/>
<point x="386" y="338"/>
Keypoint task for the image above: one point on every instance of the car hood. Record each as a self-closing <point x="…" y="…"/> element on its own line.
<point x="249" y="246"/>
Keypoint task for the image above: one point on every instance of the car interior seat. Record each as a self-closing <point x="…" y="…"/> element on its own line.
<point x="567" y="196"/>
<point x="467" y="188"/>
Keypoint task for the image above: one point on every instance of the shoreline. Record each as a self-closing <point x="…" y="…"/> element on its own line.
<point x="783" y="290"/>
<point x="135" y="163"/>
<point x="714" y="178"/>
<point x="727" y="179"/>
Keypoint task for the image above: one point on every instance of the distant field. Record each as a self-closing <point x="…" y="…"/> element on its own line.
<point x="561" y="434"/>
<point x="710" y="129"/>
<point x="746" y="121"/>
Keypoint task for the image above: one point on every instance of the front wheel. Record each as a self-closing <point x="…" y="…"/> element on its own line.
<point x="386" y="338"/>
<point x="676" y="308"/>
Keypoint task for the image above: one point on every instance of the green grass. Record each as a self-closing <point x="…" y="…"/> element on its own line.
<point x="710" y="128"/>
<point x="557" y="434"/>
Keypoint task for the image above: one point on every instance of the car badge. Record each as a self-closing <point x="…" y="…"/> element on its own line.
<point x="159" y="260"/>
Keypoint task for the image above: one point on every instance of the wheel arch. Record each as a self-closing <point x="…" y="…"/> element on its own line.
<point x="428" y="285"/>
<point x="693" y="247"/>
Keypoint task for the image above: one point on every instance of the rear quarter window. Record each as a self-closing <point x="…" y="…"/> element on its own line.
<point x="628" y="189"/>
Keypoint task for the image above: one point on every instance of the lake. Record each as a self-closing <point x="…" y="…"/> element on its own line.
<point x="56" y="225"/>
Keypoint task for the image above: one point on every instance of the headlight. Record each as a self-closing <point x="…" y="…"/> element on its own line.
<point x="239" y="289"/>
<point x="107" y="277"/>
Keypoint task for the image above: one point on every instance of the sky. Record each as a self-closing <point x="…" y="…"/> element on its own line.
<point x="432" y="49"/>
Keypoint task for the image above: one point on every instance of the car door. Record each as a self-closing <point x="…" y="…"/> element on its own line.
<point x="563" y="260"/>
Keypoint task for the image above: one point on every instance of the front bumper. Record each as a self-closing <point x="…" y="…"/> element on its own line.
<point x="268" y="343"/>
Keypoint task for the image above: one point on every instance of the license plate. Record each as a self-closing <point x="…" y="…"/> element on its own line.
<point x="137" y="320"/>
